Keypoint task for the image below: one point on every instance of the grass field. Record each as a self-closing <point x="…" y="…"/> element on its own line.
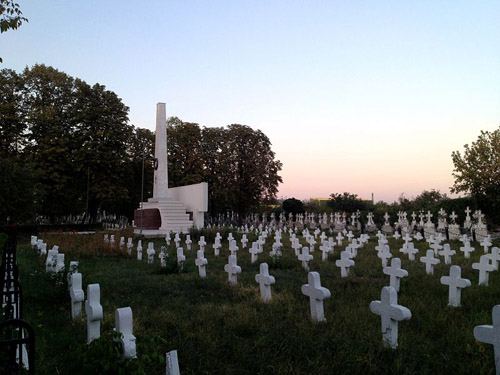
<point x="222" y="329"/>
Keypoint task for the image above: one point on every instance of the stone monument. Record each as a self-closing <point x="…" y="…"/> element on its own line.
<point x="168" y="209"/>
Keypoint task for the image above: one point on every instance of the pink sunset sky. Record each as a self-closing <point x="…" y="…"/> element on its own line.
<point x="363" y="97"/>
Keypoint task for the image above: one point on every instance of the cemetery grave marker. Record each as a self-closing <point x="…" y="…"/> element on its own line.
<point x="232" y="270"/>
<point x="124" y="325"/>
<point x="316" y="294"/>
<point x="391" y="313"/>
<point x="265" y="281"/>
<point x="456" y="284"/>
<point x="395" y="272"/>
<point x="94" y="312"/>
<point x="430" y="262"/>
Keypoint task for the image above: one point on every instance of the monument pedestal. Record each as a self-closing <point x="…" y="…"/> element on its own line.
<point x="168" y="210"/>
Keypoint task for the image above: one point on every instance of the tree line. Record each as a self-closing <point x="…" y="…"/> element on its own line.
<point x="67" y="147"/>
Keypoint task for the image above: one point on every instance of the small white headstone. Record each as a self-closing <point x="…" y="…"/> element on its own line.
<point x="181" y="258"/>
<point x="316" y="294"/>
<point x="76" y="294"/>
<point x="172" y="363"/>
<point x="491" y="335"/>
<point x="391" y="313"/>
<point x="467" y="249"/>
<point x="447" y="253"/>
<point x="124" y="326"/>
<point x="201" y="262"/>
<point x="232" y="270"/>
<point x="94" y="312"/>
<point x="484" y="267"/>
<point x="430" y="262"/>
<point x="139" y="250"/>
<point x="265" y="281"/>
<point x="151" y="253"/>
<point x="344" y="263"/>
<point x="456" y="284"/>
<point x="254" y="252"/>
<point x="305" y="257"/>
<point x="395" y="272"/>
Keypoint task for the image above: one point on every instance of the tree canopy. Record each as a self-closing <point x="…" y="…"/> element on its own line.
<point x="477" y="171"/>
<point x="67" y="147"/>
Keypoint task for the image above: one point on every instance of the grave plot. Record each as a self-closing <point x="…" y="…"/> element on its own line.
<point x="216" y="326"/>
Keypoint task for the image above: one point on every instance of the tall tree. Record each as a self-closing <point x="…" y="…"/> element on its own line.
<point x="477" y="171"/>
<point x="49" y="102"/>
<point x="185" y="163"/>
<point x="103" y="136"/>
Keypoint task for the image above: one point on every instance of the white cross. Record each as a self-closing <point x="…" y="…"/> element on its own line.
<point x="411" y="251"/>
<point x="344" y="263"/>
<point x="491" y="335"/>
<point x="464" y="239"/>
<point x="232" y="247"/>
<point x="201" y="263"/>
<point x="244" y="241"/>
<point x="325" y="249"/>
<point x="76" y="294"/>
<point x="395" y="272"/>
<point x="202" y="243"/>
<point x="391" y="313"/>
<point x="494" y="257"/>
<point x="254" y="252"/>
<point x="311" y="241"/>
<point x="151" y="252"/>
<point x="429" y="261"/>
<point x="188" y="242"/>
<point x="265" y="281"/>
<point x="354" y="247"/>
<point x="216" y="246"/>
<point x="447" y="253"/>
<point x="181" y="258"/>
<point x="349" y="236"/>
<point x="456" y="284"/>
<point x="339" y="238"/>
<point x="467" y="249"/>
<point x="316" y="294"/>
<point x="484" y="267"/>
<point x="296" y="246"/>
<point x="396" y="235"/>
<point x="232" y="269"/>
<point x="435" y="246"/>
<point x="385" y="255"/>
<point x="485" y="243"/>
<point x="419" y="236"/>
<point x="305" y="257"/>
<point x="93" y="309"/>
<point x="139" y="250"/>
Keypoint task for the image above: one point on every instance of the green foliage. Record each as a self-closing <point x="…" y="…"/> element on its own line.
<point x="102" y="356"/>
<point x="292" y="205"/>
<point x="346" y="202"/>
<point x="11" y="16"/>
<point x="237" y="162"/>
<point x="477" y="172"/>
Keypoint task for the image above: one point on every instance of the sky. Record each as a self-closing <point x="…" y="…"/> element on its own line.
<point x="365" y="97"/>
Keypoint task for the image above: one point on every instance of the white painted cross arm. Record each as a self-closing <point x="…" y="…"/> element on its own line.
<point x="391" y="313"/>
<point x="491" y="335"/>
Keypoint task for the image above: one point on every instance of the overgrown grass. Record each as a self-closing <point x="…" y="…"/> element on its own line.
<point x="223" y="329"/>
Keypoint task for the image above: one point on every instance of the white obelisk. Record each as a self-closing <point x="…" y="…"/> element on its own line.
<point x="160" y="186"/>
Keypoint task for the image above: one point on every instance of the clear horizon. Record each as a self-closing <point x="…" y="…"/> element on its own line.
<point x="357" y="97"/>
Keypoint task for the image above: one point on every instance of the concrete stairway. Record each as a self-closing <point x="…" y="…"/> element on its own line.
<point x="173" y="215"/>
